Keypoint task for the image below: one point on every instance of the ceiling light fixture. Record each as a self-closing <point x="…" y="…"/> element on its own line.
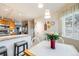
<point x="47" y="17"/>
<point x="40" y="5"/>
<point x="47" y="14"/>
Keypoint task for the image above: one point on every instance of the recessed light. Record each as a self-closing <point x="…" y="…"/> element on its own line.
<point x="40" y="5"/>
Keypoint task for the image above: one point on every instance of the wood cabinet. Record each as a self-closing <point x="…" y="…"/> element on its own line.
<point x="3" y="21"/>
<point x="7" y="26"/>
<point x="11" y="24"/>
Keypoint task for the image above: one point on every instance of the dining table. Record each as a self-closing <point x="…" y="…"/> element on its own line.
<point x="43" y="49"/>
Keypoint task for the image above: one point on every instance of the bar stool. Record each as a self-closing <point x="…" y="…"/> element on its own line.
<point x="18" y="46"/>
<point x="3" y="51"/>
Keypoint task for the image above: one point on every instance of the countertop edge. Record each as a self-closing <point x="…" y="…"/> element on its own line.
<point x="3" y="38"/>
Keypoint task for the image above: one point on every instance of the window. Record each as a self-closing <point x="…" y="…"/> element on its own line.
<point x="70" y="26"/>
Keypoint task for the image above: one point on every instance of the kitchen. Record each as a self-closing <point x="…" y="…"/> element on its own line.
<point x="12" y="31"/>
<point x="24" y="26"/>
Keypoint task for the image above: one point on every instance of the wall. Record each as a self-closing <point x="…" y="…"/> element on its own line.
<point x="39" y="28"/>
<point x="31" y="27"/>
<point x="39" y="25"/>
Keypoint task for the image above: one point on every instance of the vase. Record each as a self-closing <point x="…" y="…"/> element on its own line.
<point x="52" y="43"/>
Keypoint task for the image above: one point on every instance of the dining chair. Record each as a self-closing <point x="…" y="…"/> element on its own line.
<point x="18" y="46"/>
<point x="38" y="38"/>
<point x="35" y="40"/>
<point x="3" y="51"/>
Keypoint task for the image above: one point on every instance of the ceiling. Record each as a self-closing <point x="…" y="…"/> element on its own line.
<point x="23" y="11"/>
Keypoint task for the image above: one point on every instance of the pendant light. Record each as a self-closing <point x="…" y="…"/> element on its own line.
<point x="47" y="14"/>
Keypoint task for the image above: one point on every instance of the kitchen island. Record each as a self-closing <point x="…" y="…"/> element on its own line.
<point x="8" y="42"/>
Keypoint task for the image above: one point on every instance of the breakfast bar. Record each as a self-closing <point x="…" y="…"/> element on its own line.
<point x="8" y="42"/>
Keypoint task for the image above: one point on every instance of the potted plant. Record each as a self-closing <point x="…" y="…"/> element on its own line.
<point x="52" y="37"/>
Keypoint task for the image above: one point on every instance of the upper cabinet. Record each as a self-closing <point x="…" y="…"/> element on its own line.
<point x="11" y="24"/>
<point x="7" y="22"/>
<point x="3" y="21"/>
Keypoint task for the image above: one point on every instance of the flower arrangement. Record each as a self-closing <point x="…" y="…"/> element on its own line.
<point x="52" y="36"/>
